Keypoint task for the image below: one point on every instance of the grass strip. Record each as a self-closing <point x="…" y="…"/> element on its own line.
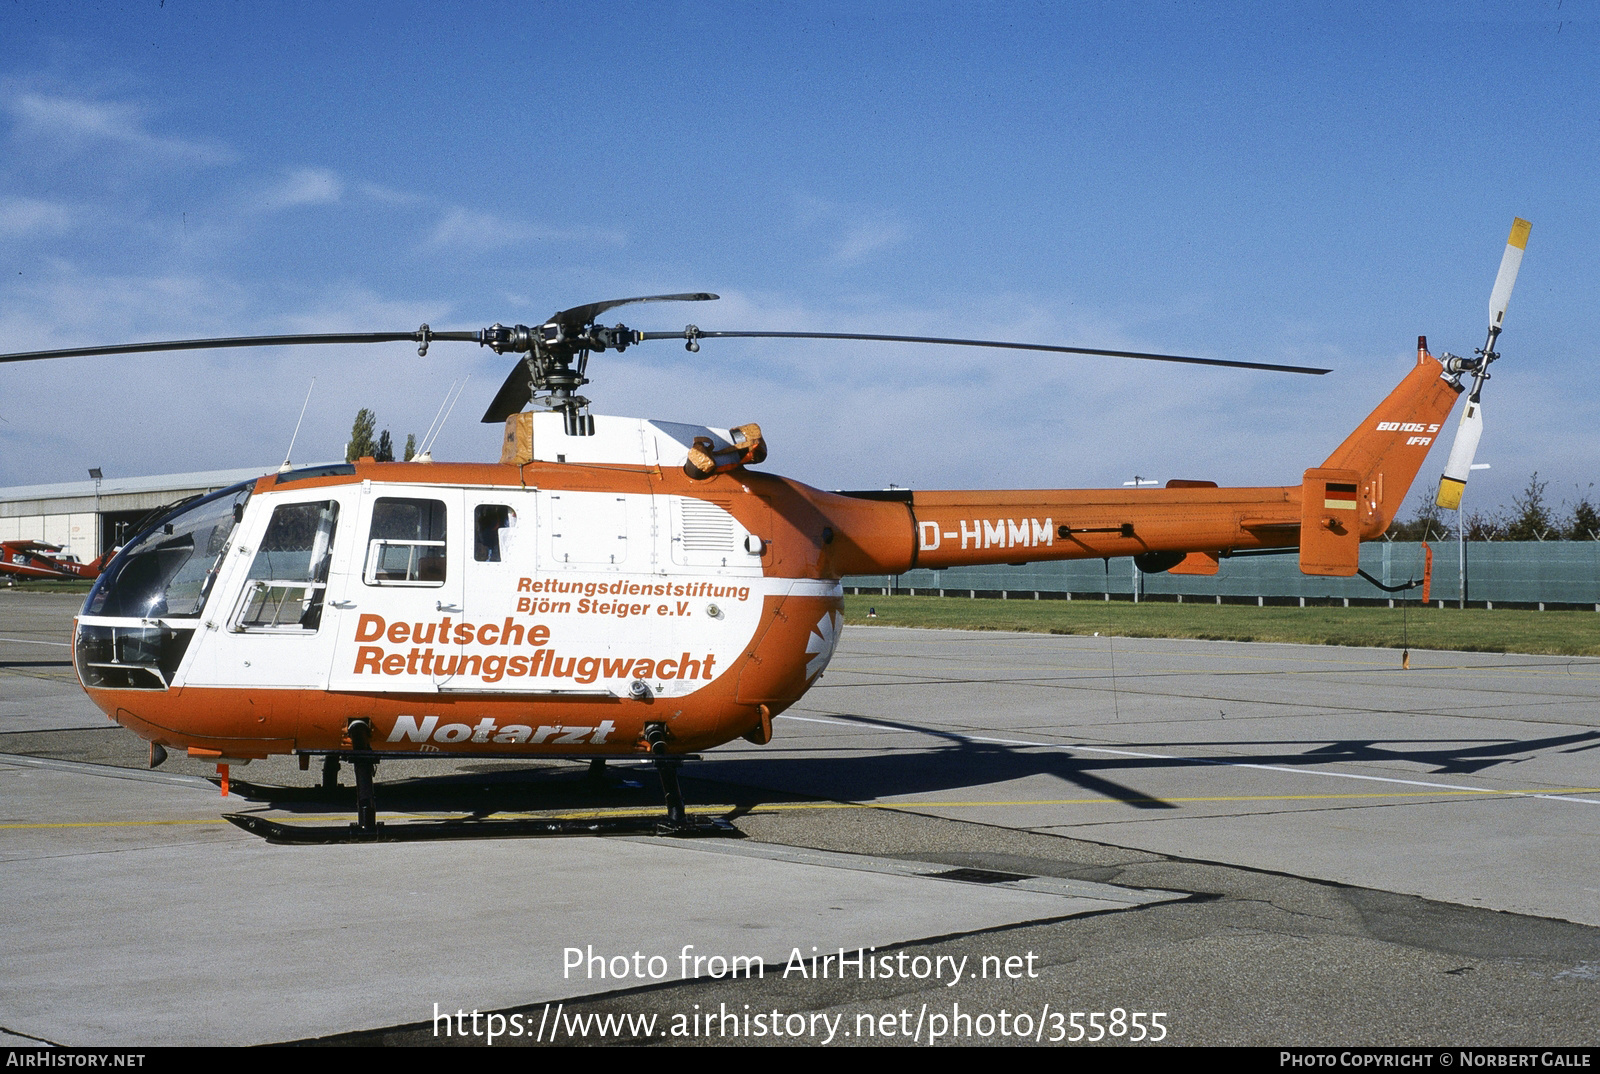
<point x="1565" y="633"/>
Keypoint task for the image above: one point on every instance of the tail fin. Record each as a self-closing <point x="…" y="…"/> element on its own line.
<point x="1388" y="448"/>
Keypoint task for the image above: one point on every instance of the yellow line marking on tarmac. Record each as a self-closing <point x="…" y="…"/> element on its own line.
<point x="107" y="823"/>
<point x="781" y="807"/>
<point x="777" y="806"/>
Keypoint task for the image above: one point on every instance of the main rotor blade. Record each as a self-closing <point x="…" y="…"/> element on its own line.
<point x="514" y="394"/>
<point x="578" y="316"/>
<point x="245" y="341"/>
<point x="1500" y="297"/>
<point x="696" y="334"/>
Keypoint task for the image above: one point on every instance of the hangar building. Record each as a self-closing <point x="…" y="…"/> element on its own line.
<point x="89" y="517"/>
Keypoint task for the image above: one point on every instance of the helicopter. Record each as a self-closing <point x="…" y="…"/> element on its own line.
<point x="618" y="587"/>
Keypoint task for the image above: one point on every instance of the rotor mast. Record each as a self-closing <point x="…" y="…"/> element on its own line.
<point x="556" y="356"/>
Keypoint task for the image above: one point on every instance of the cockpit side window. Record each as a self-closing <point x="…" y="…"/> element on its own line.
<point x="406" y="544"/>
<point x="289" y="574"/>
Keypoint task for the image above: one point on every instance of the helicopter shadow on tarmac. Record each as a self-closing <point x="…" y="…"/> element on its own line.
<point x="746" y="781"/>
<point x="963" y="762"/>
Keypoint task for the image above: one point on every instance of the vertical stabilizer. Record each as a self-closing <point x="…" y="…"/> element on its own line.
<point x="1387" y="449"/>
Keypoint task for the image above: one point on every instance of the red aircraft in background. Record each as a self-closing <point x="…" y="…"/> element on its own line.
<point x="35" y="559"/>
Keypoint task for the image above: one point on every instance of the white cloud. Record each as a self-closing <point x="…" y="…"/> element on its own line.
<point x="485" y="231"/>
<point x="62" y="306"/>
<point x="303" y="186"/>
<point x="460" y="227"/>
<point x="389" y="195"/>
<point x="862" y="240"/>
<point x="852" y="234"/>
<point x="359" y="309"/>
<point x="196" y="410"/>
<point x="78" y="123"/>
<point x="27" y="216"/>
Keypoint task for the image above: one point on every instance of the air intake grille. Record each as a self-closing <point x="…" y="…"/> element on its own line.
<point x="706" y="526"/>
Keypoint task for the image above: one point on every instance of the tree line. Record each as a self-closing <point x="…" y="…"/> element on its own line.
<point x="362" y="445"/>
<point x="1532" y="517"/>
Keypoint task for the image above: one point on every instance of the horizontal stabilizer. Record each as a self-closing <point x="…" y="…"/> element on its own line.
<point x="1204" y="563"/>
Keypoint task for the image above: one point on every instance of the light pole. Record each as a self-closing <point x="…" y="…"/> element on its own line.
<point x="94" y="474"/>
<point x="1461" y="547"/>
<point x="1137" y="482"/>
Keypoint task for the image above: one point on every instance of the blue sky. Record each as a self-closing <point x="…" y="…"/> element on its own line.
<point x="1299" y="183"/>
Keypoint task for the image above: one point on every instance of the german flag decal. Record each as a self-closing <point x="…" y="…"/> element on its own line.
<point x="1340" y="495"/>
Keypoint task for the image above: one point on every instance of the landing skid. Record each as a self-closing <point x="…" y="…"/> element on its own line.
<point x="427" y="830"/>
<point x="677" y="822"/>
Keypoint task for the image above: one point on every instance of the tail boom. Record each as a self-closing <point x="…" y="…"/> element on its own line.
<point x="1353" y="496"/>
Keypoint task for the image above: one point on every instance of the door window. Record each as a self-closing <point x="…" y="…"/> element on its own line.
<point x="289" y="574"/>
<point x="406" y="544"/>
<point x="493" y="529"/>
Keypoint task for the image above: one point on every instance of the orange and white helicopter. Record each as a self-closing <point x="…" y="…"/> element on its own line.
<point x="616" y="587"/>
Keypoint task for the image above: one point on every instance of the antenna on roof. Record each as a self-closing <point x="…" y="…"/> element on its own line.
<point x="423" y="445"/>
<point x="432" y="435"/>
<point x="287" y="465"/>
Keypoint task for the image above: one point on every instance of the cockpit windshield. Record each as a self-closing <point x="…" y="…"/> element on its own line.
<point x="167" y="571"/>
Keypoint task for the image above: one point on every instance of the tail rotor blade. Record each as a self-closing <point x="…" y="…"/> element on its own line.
<point x="1500" y="297"/>
<point x="1470" y="430"/>
<point x="1462" y="452"/>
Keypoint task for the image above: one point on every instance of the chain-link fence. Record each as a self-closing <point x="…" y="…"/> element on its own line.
<point x="1501" y="573"/>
